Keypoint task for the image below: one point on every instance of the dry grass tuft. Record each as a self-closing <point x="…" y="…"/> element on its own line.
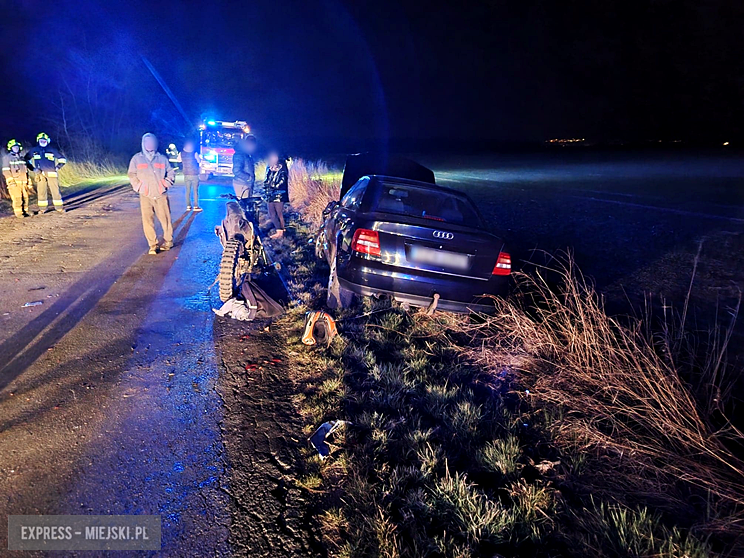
<point x="311" y="187"/>
<point x="620" y="398"/>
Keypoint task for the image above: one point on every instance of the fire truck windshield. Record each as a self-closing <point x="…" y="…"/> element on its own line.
<point x="221" y="138"/>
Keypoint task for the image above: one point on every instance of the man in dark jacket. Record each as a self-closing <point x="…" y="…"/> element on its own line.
<point x="244" y="167"/>
<point x="277" y="191"/>
<point x="190" y="160"/>
<point x="151" y="174"/>
<point x="46" y="161"/>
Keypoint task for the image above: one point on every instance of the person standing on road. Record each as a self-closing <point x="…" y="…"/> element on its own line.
<point x="46" y="161"/>
<point x="151" y="174"/>
<point x="277" y="191"/>
<point x="244" y="167"/>
<point x="190" y="161"/>
<point x="15" y="171"/>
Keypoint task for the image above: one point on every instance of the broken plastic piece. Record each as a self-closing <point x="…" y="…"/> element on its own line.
<point x="318" y="439"/>
<point x="34" y="303"/>
<point x="433" y="304"/>
<point x="319" y="328"/>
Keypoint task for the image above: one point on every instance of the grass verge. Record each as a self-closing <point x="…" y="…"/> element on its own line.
<point x="549" y="429"/>
<point x="76" y="172"/>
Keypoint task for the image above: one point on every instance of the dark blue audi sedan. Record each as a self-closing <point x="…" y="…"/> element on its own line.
<point x="420" y="243"/>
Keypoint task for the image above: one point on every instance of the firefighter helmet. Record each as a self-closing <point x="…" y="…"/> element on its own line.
<point x="43" y="136"/>
<point x="12" y="143"/>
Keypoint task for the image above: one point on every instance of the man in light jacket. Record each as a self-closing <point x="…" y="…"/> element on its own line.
<point x="151" y="175"/>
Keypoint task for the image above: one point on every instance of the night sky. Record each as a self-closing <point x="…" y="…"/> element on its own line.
<point x="349" y="73"/>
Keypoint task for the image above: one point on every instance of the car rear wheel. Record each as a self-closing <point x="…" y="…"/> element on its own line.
<point x="338" y="296"/>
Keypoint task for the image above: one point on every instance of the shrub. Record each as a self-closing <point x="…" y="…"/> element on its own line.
<point x="311" y="187"/>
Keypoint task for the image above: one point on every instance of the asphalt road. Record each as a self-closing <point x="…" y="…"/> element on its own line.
<point x="107" y="389"/>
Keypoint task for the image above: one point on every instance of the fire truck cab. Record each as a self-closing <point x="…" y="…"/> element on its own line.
<point x="218" y="140"/>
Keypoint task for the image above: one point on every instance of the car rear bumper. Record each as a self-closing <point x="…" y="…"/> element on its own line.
<point x="456" y="294"/>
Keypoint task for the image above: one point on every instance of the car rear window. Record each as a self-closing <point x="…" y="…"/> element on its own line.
<point x="414" y="201"/>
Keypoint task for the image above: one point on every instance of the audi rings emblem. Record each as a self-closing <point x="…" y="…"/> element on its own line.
<point x="443" y="235"/>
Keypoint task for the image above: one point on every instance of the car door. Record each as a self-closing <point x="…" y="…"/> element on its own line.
<point x="342" y="217"/>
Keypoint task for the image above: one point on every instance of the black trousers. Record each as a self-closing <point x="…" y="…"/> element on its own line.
<point x="276" y="214"/>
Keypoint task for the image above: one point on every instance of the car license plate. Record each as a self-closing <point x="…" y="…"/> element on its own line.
<point x="440" y="258"/>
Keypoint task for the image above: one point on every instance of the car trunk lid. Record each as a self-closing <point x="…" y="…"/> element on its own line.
<point x="438" y="248"/>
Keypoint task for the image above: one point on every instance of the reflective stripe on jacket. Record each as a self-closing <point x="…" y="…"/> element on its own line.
<point x="45" y="159"/>
<point x="151" y="178"/>
<point x="14" y="166"/>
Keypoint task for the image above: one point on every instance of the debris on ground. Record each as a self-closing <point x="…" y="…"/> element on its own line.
<point x="34" y="303"/>
<point x="320" y="327"/>
<point x="318" y="439"/>
<point x="237" y="309"/>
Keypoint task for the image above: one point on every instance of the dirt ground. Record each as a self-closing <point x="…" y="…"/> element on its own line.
<point x="263" y="435"/>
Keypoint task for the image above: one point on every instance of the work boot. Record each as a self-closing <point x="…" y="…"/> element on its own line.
<point x="188" y="208"/>
<point x="153" y="251"/>
<point x="61" y="210"/>
<point x="166" y="246"/>
<point x="21" y="215"/>
<point x="197" y="208"/>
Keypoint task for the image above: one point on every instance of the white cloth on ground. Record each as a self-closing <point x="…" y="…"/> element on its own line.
<point x="237" y="309"/>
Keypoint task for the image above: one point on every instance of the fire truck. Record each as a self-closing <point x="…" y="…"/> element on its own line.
<point x="218" y="140"/>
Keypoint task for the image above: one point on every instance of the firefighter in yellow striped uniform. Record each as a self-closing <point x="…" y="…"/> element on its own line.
<point x="173" y="156"/>
<point x="15" y="172"/>
<point x="46" y="162"/>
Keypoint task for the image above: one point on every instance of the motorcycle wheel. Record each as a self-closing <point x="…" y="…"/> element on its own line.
<point x="229" y="269"/>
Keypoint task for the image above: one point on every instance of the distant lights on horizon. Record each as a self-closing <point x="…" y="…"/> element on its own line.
<point x="566" y="140"/>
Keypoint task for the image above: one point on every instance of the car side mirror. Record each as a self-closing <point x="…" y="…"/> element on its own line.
<point x="330" y="207"/>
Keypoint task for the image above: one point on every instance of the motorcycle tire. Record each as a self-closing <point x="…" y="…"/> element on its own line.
<point x="229" y="269"/>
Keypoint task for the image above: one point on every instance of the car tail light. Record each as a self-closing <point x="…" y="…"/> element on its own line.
<point x="366" y="242"/>
<point x="503" y="264"/>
